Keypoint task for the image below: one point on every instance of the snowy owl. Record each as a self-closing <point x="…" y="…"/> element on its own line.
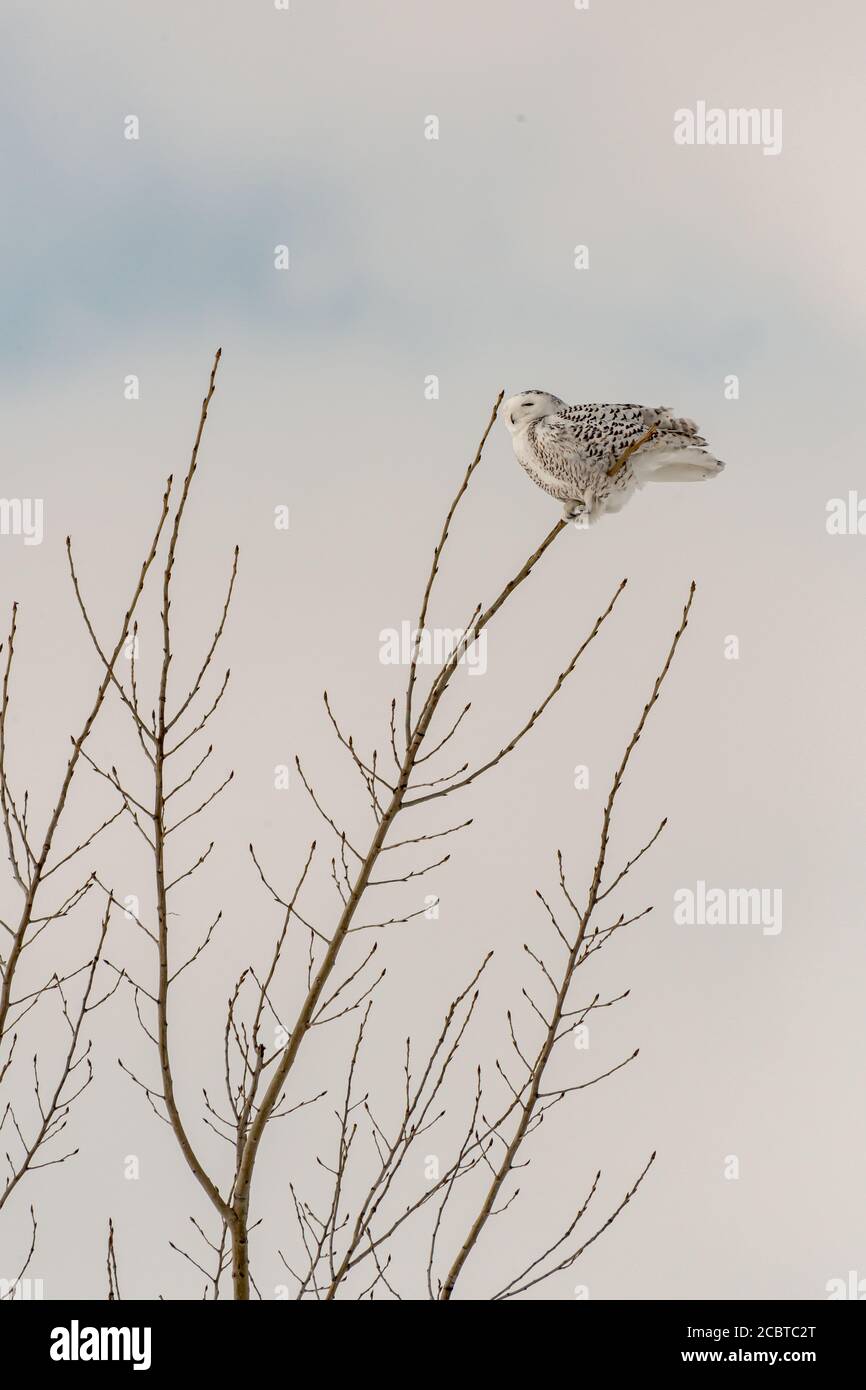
<point x="568" y="449"/>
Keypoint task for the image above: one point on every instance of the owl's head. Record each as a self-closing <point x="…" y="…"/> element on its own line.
<point x="519" y="411"/>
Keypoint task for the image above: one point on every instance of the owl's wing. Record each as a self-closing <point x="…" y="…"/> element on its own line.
<point x="599" y="433"/>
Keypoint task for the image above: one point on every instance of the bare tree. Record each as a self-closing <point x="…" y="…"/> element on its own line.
<point x="362" y="1227"/>
<point x="28" y="982"/>
<point x="355" y="1228"/>
<point x="558" y="1022"/>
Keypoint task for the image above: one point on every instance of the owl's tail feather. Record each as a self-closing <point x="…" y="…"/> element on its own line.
<point x="675" y="465"/>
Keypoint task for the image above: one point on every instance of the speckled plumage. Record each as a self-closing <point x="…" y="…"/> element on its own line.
<point x="568" y="449"/>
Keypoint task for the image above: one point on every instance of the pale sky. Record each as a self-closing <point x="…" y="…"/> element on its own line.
<point x="455" y="258"/>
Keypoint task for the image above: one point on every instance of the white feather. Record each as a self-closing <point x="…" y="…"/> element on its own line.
<point x="675" y="466"/>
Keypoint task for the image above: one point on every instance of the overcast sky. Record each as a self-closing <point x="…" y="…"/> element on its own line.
<point x="454" y="257"/>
